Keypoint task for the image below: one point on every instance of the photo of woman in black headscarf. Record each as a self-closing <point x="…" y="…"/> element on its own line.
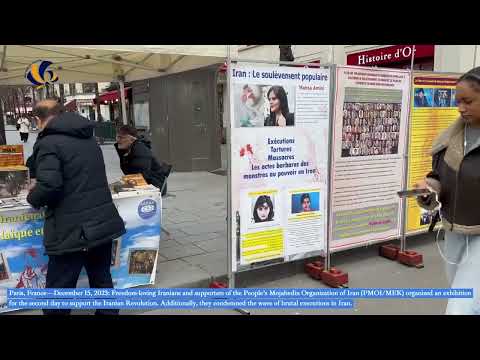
<point x="280" y="115"/>
<point x="263" y="209"/>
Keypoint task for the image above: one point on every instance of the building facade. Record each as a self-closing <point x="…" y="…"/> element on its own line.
<point x="441" y="58"/>
<point x="81" y="96"/>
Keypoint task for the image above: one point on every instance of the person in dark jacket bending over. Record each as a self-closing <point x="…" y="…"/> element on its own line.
<point x="136" y="157"/>
<point x="81" y="219"/>
<point x="455" y="177"/>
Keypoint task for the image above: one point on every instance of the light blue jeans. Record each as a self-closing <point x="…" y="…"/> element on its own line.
<point x="465" y="275"/>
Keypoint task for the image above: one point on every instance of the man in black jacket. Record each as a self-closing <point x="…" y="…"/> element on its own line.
<point x="71" y="183"/>
<point x="136" y="157"/>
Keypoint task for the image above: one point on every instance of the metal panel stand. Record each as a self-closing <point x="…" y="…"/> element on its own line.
<point x="161" y="226"/>
<point x="409" y="258"/>
<point x="331" y="276"/>
<point x="230" y="273"/>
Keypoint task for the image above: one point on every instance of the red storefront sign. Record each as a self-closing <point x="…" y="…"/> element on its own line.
<point x="390" y="54"/>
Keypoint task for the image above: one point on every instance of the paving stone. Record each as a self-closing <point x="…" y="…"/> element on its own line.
<point x="168" y="243"/>
<point x="214" y="263"/>
<point x="213" y="245"/>
<point x="190" y="239"/>
<point x="205" y="228"/>
<point x="178" y="273"/>
<point x="177" y="252"/>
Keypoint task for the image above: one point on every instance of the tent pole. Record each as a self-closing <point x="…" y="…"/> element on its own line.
<point x="4" y="55"/>
<point x="124" y="105"/>
<point x="475" y="56"/>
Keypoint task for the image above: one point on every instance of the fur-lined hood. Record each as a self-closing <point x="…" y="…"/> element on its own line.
<point x="442" y="141"/>
<point x="451" y="139"/>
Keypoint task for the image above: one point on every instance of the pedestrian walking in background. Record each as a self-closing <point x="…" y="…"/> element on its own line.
<point x="23" y="126"/>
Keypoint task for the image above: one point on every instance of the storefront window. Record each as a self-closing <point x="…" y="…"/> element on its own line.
<point x="88" y="88"/>
<point x="73" y="90"/>
<point x="141" y="114"/>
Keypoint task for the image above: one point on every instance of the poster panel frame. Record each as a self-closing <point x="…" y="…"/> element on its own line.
<point x="416" y="73"/>
<point x="403" y="156"/>
<point x="267" y="264"/>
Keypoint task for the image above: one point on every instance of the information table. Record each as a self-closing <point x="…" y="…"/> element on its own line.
<point x="23" y="263"/>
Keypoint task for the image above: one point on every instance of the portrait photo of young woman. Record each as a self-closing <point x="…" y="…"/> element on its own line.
<point x="263" y="209"/>
<point x="280" y="114"/>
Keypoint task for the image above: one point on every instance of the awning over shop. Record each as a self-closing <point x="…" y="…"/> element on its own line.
<point x="111" y="96"/>
<point x="71" y="105"/>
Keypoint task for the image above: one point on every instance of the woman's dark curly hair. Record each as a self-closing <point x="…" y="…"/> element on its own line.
<point x="264" y="199"/>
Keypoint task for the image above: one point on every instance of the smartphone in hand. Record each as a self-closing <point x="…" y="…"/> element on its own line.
<point x="413" y="193"/>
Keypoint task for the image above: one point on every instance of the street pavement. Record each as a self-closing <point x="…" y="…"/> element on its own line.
<point x="194" y="214"/>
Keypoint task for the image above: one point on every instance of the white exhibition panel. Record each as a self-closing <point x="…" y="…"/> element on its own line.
<point x="370" y="122"/>
<point x="274" y="169"/>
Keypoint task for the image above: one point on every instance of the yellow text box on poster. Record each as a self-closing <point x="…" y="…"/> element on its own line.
<point x="265" y="192"/>
<point x="305" y="216"/>
<point x="262" y="245"/>
<point x="301" y="191"/>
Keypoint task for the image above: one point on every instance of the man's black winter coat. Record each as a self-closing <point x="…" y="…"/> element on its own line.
<point x="72" y="184"/>
<point x="140" y="160"/>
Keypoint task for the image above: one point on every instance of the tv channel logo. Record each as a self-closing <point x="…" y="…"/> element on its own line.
<point x="39" y="75"/>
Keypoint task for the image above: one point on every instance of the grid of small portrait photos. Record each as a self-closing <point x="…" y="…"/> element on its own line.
<point x="370" y="129"/>
<point x="141" y="261"/>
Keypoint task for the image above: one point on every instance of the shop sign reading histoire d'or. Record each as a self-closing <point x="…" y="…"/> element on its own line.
<point x="391" y="54"/>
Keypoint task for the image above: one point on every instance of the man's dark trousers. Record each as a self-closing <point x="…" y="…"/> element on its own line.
<point x="64" y="270"/>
